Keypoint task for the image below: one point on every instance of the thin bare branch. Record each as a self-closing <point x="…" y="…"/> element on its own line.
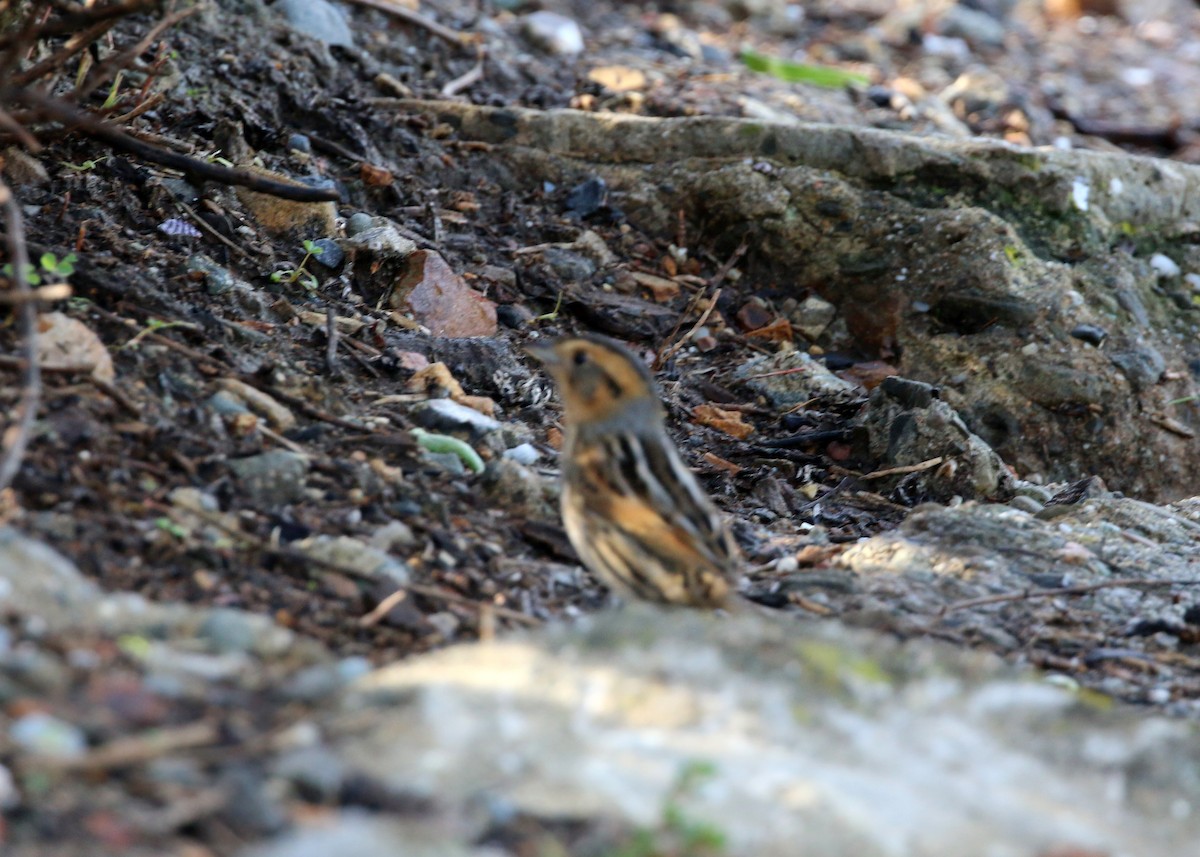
<point x="27" y="313"/>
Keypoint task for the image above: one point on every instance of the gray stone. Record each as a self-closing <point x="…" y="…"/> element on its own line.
<point x="554" y="33"/>
<point x="448" y="415"/>
<point x="42" y="734"/>
<point x="271" y="479"/>
<point x="356" y="557"/>
<point x="318" y="20"/>
<point x="808" y="733"/>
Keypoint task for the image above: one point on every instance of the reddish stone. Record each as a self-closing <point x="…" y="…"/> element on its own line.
<point x="439" y="299"/>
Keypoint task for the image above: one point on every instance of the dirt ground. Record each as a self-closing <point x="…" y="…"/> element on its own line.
<point x="99" y="477"/>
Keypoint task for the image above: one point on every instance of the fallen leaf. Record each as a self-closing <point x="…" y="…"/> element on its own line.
<point x="780" y="330"/>
<point x="869" y="375"/>
<point x="374" y="176"/>
<point x="440" y="300"/>
<point x="660" y="288"/>
<point x="730" y="422"/>
<point x="65" y="341"/>
<point x="618" y="78"/>
<point x="721" y="464"/>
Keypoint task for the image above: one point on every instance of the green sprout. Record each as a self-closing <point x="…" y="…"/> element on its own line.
<point x="794" y="72"/>
<point x="86" y="166"/>
<point x="553" y="314"/>
<point x="678" y="834"/>
<point x="301" y="273"/>
<point x="56" y="269"/>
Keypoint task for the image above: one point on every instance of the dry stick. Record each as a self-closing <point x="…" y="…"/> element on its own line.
<point x="929" y="464"/>
<point x="104" y="72"/>
<point x="78" y="42"/>
<point x="467" y="80"/>
<point x="27" y="312"/>
<point x="717" y="279"/>
<point x="15" y="128"/>
<point x="74" y="23"/>
<point x="453" y="37"/>
<point x="117" y="139"/>
<point x="331" y="341"/>
<point x="1030" y="594"/>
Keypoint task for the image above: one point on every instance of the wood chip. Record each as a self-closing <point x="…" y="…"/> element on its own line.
<point x="660" y="288"/>
<point x="730" y="422"/>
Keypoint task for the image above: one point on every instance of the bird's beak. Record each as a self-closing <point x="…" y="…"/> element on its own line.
<point x="544" y="354"/>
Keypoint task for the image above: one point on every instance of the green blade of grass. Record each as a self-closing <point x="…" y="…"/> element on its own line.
<point x="794" y="72"/>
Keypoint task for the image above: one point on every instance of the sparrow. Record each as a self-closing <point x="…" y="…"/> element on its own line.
<point x="632" y="509"/>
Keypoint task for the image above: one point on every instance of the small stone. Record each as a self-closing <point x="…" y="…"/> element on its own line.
<point x="66" y="341"/>
<point x="812" y="317"/>
<point x="317" y="772"/>
<point x="230" y="631"/>
<point x="587" y="198"/>
<point x="323" y="680"/>
<point x="299" y="143"/>
<point x="284" y="217"/>
<point x="1164" y="265"/>
<point x="331" y="256"/>
<point x="439" y="299"/>
<point x="43" y="734"/>
<point x="525" y="453"/>
<point x="554" y="33"/>
<point x="448" y="415"/>
<point x="393" y="534"/>
<point x="351" y="553"/>
<point x="273" y="478"/>
<point x="318" y="20"/>
<point x="1089" y="333"/>
<point x="22" y="169"/>
<point x="10" y="798"/>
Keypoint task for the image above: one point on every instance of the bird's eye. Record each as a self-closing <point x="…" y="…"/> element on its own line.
<point x="580" y="358"/>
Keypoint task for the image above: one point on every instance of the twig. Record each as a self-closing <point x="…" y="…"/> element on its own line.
<point x="382" y="609"/>
<point x="78" y="42"/>
<point x="74" y="23"/>
<point x="670" y="352"/>
<point x="331" y="341"/>
<point x="1030" y="594"/>
<point x="466" y="81"/>
<point x="136" y="749"/>
<point x="27" y="312"/>
<point x="92" y="126"/>
<point x="452" y="37"/>
<point x="105" y="70"/>
<point x="717" y="279"/>
<point x="905" y="468"/>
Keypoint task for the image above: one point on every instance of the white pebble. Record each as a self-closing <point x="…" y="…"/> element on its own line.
<point x="1164" y="266"/>
<point x="1079" y="193"/>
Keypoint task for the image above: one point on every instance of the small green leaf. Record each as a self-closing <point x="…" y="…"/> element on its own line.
<point x="446" y="443"/>
<point x="794" y="72"/>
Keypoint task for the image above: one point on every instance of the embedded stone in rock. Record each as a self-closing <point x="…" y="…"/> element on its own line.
<point x="285" y="217"/>
<point x="439" y="299"/>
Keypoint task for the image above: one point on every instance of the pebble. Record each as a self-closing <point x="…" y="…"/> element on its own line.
<point x="351" y="553"/>
<point x="393" y="534"/>
<point x="331" y="255"/>
<point x="230" y="630"/>
<point x="323" y="680"/>
<point x="316" y="772"/>
<point x="1089" y="333"/>
<point x="554" y="33"/>
<point x="271" y="479"/>
<point x="525" y="453"/>
<point x="448" y="415"/>
<point x="46" y="735"/>
<point x="10" y="798"/>
<point x="318" y="20"/>
<point x="1164" y="265"/>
